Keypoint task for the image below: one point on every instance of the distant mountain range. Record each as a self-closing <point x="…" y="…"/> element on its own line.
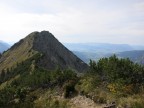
<point x="95" y="51"/>
<point x="137" y="55"/>
<point x="3" y="46"/>
<point x="101" y="47"/>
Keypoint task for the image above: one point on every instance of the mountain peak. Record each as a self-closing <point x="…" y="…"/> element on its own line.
<point x="58" y="55"/>
<point x="42" y="33"/>
<point x="54" y="53"/>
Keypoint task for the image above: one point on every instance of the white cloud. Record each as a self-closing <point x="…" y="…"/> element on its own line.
<point x="139" y="6"/>
<point x="61" y="23"/>
<point x="70" y="23"/>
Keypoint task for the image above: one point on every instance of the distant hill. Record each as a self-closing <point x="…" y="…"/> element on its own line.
<point x="86" y="56"/>
<point x="136" y="56"/>
<point x="95" y="51"/>
<point x="3" y="46"/>
<point x="53" y="53"/>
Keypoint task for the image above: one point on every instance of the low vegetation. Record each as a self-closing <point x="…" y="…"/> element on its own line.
<point x="114" y="80"/>
<point x="108" y="80"/>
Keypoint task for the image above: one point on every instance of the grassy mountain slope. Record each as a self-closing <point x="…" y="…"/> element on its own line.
<point x="17" y="53"/>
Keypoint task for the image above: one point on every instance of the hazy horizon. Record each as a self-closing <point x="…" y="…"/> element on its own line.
<point x="83" y="21"/>
<point x="12" y="43"/>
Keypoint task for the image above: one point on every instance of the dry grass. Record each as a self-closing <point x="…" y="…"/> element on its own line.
<point x="18" y="54"/>
<point x="135" y="101"/>
<point x="3" y="85"/>
<point x="49" y="99"/>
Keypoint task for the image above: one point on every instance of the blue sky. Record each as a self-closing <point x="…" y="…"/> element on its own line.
<point x="74" y="21"/>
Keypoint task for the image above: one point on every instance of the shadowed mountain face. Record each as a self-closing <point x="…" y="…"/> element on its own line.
<point x="53" y="53"/>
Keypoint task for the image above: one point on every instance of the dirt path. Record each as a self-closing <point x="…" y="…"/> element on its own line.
<point x="83" y="102"/>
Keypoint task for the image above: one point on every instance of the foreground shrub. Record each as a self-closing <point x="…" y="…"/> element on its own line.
<point x="69" y="88"/>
